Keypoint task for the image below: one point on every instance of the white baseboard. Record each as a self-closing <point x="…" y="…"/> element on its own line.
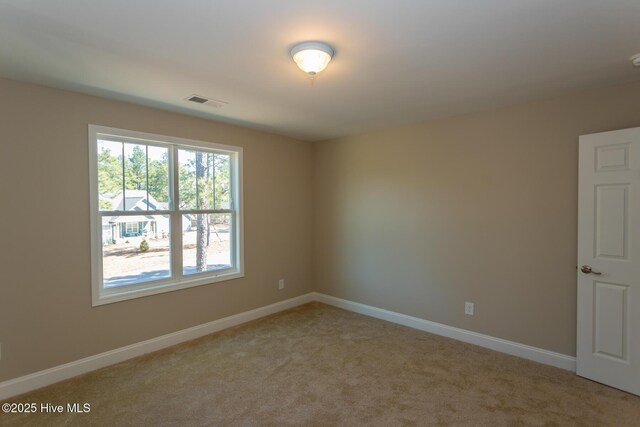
<point x="46" y="377"/>
<point x="509" y="347"/>
<point x="53" y="375"/>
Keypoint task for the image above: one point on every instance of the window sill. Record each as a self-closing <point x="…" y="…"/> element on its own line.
<point x="113" y="295"/>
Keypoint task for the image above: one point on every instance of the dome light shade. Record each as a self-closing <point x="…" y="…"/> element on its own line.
<point x="312" y="57"/>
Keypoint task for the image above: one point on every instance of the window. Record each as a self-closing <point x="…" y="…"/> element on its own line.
<point x="131" y="229"/>
<point x="165" y="213"/>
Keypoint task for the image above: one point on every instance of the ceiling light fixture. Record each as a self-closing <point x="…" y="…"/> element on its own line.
<point x="635" y="60"/>
<point x="312" y="57"/>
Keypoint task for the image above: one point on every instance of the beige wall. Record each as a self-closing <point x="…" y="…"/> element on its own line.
<point x="479" y="208"/>
<point x="416" y="219"/>
<point x="46" y="317"/>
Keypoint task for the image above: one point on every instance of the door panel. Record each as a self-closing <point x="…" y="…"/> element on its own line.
<point x="611" y="220"/>
<point x="608" y="347"/>
<point x="610" y="309"/>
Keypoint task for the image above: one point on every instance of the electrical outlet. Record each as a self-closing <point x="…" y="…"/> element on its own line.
<point x="281" y="284"/>
<point x="468" y="308"/>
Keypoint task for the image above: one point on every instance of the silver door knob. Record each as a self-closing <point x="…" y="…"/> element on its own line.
<point x="586" y="269"/>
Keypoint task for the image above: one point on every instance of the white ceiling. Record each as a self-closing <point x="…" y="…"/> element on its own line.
<point x="396" y="62"/>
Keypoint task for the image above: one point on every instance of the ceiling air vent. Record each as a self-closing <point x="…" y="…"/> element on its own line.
<point x="199" y="99"/>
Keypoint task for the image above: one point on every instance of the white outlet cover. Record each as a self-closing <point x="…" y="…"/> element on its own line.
<point x="468" y="308"/>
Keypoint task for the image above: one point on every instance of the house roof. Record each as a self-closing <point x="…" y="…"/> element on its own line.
<point x="136" y="200"/>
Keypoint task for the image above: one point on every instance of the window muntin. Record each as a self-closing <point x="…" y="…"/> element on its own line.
<point x="144" y="187"/>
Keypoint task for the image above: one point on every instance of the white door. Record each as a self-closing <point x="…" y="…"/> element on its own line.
<point x="608" y="347"/>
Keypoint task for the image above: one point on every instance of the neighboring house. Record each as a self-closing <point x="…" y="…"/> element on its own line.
<point x="116" y="228"/>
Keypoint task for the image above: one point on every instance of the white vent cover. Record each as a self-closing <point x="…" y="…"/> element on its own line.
<point x="199" y="99"/>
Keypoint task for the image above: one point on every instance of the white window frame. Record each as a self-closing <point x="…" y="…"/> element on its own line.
<point x="126" y="227"/>
<point x="101" y="295"/>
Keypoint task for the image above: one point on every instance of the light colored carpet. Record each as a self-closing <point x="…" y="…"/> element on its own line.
<point x="318" y="365"/>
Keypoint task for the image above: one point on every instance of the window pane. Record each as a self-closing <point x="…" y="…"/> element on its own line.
<point x="135" y="249"/>
<point x="187" y="179"/>
<point x="135" y="176"/>
<point x="109" y="174"/>
<point x="206" y="242"/>
<point x="158" y="178"/>
<point x="222" y="181"/>
<point x="206" y="178"/>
